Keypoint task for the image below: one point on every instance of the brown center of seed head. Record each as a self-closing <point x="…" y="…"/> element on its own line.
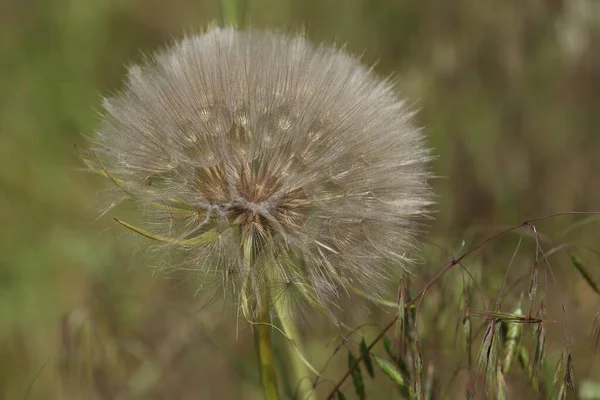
<point x="264" y="202"/>
<point x="250" y="195"/>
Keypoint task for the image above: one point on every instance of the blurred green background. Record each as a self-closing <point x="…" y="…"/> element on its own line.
<point x="509" y="93"/>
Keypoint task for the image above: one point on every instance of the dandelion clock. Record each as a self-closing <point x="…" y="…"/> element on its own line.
<point x="278" y="168"/>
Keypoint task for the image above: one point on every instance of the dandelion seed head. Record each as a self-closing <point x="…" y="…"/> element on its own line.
<point x="230" y="136"/>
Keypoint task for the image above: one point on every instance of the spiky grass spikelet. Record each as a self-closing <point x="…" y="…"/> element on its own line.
<point x="234" y="137"/>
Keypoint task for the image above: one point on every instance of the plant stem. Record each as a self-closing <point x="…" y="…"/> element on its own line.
<point x="304" y="389"/>
<point x="264" y="349"/>
<point x="229" y="11"/>
<point x="262" y="331"/>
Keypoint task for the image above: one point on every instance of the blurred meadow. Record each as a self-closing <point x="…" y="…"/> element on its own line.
<point x="509" y="96"/>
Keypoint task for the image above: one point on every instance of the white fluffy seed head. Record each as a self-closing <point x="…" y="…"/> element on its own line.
<point x="231" y="136"/>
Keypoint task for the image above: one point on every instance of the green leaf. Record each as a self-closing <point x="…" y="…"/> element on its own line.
<point x="341" y="396"/>
<point x="390" y="370"/>
<point x="357" y="380"/>
<point x="394" y="356"/>
<point x="366" y="357"/>
<point x="389" y="347"/>
<point x="586" y="275"/>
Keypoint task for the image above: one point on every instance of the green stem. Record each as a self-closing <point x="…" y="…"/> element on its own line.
<point x="304" y="389"/>
<point x="229" y="12"/>
<point x="262" y="331"/>
<point x="265" y="350"/>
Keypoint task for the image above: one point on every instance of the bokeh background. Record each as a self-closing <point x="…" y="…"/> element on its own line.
<point x="509" y="93"/>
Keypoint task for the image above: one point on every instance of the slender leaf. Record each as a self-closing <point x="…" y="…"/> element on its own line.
<point x="389" y="347"/>
<point x="586" y="275"/>
<point x="357" y="380"/>
<point x="366" y="357"/>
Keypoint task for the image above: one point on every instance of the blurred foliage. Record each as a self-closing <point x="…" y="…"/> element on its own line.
<point x="509" y="94"/>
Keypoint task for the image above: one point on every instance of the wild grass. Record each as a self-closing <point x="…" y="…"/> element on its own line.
<point x="500" y="344"/>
